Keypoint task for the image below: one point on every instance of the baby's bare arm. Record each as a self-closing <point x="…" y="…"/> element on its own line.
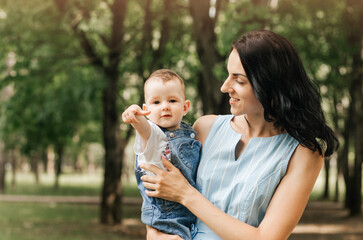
<point x="135" y="116"/>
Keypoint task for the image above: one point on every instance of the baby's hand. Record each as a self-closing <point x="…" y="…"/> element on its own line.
<point x="131" y="113"/>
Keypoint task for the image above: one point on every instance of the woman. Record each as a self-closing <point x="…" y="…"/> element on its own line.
<point x="259" y="165"/>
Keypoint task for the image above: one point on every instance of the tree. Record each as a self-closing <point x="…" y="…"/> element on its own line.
<point x="334" y="60"/>
<point x="2" y="168"/>
<point x="206" y="41"/>
<point x="47" y="106"/>
<point x="353" y="18"/>
<point x="215" y="27"/>
<point x="107" y="62"/>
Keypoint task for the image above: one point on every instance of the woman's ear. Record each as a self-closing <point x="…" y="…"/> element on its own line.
<point x="186" y="107"/>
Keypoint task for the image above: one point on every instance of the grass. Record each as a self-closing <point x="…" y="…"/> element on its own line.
<point x="27" y="221"/>
<point x="71" y="184"/>
<point x="51" y="221"/>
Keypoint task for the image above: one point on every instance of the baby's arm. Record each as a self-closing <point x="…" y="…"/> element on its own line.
<point x="134" y="115"/>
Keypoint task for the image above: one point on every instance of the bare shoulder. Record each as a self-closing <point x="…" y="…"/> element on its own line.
<point x="305" y="159"/>
<point x="307" y="154"/>
<point x="202" y="126"/>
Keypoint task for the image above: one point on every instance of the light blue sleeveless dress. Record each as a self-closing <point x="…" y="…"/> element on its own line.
<point x="244" y="187"/>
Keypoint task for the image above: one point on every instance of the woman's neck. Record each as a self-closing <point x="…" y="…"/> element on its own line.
<point x="254" y="126"/>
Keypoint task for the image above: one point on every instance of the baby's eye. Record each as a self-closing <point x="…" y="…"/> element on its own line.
<point x="156" y="102"/>
<point x="173" y="101"/>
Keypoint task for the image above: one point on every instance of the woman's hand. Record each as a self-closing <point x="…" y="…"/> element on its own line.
<point x="153" y="234"/>
<point x="170" y="185"/>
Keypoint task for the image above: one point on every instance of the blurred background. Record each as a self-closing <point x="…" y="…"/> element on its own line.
<point x="70" y="67"/>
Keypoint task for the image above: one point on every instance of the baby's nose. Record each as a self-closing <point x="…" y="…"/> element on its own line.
<point x="165" y="106"/>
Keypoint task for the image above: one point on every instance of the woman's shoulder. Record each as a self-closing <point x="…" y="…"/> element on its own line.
<point x="202" y="126"/>
<point x="306" y="159"/>
<point x="206" y="119"/>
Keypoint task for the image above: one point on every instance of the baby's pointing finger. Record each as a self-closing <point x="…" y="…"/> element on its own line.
<point x="143" y="113"/>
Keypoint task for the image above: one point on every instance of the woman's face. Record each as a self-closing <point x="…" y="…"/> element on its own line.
<point x="242" y="98"/>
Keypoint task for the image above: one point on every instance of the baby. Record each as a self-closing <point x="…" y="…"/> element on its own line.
<point x="164" y="133"/>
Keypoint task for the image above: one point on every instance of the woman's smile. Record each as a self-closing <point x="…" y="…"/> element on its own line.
<point x="233" y="100"/>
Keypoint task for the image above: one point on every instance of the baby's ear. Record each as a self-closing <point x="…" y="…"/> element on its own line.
<point x="186" y="107"/>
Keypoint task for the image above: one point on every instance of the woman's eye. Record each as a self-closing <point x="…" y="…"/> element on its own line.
<point x="240" y="81"/>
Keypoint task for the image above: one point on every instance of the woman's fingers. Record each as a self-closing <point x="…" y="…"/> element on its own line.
<point x="153" y="234"/>
<point x="167" y="164"/>
<point x="149" y="181"/>
<point x="151" y="168"/>
<point x="151" y="193"/>
<point x="165" y="184"/>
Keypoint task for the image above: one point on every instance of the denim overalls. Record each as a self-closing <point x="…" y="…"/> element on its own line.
<point x="171" y="217"/>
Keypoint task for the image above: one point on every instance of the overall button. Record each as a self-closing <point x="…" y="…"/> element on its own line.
<point x="192" y="135"/>
<point x="172" y="134"/>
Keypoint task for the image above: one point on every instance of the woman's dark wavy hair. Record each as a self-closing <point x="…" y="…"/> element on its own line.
<point x="281" y="84"/>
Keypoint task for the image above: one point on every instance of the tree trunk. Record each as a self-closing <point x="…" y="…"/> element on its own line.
<point x="344" y="155"/>
<point x="355" y="207"/>
<point x="58" y="164"/>
<point x="2" y="168"/>
<point x="111" y="193"/>
<point x="338" y="160"/>
<point x="112" y="187"/>
<point x="327" y="176"/>
<point x="45" y="159"/>
<point x="353" y="19"/>
<point x="34" y="160"/>
<point x="205" y="37"/>
<point x="13" y="160"/>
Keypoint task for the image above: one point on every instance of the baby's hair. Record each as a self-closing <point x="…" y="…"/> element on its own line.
<point x="165" y="75"/>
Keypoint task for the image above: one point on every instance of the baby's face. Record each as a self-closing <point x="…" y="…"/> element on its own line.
<point x="167" y="103"/>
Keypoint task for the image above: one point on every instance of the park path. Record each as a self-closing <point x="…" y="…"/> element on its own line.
<point x="324" y="220"/>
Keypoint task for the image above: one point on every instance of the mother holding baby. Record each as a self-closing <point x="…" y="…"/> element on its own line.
<point x="258" y="165"/>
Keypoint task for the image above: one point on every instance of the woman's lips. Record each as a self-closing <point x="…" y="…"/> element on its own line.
<point x="233" y="100"/>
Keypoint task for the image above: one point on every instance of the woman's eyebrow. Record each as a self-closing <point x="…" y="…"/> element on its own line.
<point x="239" y="74"/>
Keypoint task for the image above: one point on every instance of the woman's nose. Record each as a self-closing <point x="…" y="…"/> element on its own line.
<point x="225" y="86"/>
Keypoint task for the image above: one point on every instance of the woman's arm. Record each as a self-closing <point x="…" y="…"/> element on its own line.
<point x="202" y="126"/>
<point x="283" y="213"/>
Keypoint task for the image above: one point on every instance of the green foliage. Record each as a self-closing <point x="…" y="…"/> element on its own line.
<point x="238" y="18"/>
<point x="55" y="92"/>
<point x="315" y="28"/>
